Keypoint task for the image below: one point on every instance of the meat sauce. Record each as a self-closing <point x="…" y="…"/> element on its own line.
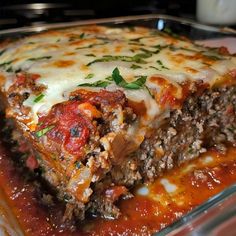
<point x="141" y="215"/>
<point x="68" y="126"/>
<point x="71" y="123"/>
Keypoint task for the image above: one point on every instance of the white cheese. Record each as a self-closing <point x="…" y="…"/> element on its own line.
<point x="61" y="59"/>
<point x="169" y="187"/>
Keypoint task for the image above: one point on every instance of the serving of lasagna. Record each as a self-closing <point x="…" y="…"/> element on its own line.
<point x="100" y="110"/>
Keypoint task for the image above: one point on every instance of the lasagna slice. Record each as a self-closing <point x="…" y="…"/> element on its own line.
<point x="101" y="110"/>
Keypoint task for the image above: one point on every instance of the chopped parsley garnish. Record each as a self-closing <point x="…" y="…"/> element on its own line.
<point x="149" y="51"/>
<point x="188" y="49"/>
<point x="138" y="39"/>
<point x="1" y="52"/>
<point x="137" y="84"/>
<point x="108" y="58"/>
<point x="6" y="66"/>
<point x="109" y="78"/>
<point x="9" y="69"/>
<point x="135" y="67"/>
<point x="161" y="64"/>
<point x="18" y="70"/>
<point x="42" y="132"/>
<point x="171" y="33"/>
<point x="136" y="43"/>
<point x="119" y="80"/>
<point x="89" y="76"/>
<point x="6" y="63"/>
<point x="213" y="57"/>
<point x="146" y="87"/>
<point x="92" y="45"/>
<point x="160" y="47"/>
<point x="76" y="36"/>
<point x="99" y="83"/>
<point x="138" y="58"/>
<point x="154" y="68"/>
<point x="39" y="98"/>
<point x="82" y="35"/>
<point x="90" y="55"/>
<point x="174" y="48"/>
<point x="39" y="58"/>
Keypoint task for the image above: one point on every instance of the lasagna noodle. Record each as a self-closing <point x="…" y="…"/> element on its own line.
<point x="105" y="109"/>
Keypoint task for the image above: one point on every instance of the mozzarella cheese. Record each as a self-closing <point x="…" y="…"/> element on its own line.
<point x="66" y="58"/>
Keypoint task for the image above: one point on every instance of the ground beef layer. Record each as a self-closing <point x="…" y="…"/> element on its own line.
<point x="205" y="120"/>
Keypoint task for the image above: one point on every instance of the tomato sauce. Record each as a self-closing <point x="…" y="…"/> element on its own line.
<point x="68" y="125"/>
<point x="141" y="215"/>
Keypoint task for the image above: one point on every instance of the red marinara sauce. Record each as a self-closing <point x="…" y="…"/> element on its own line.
<point x="141" y="215"/>
<point x="70" y="123"/>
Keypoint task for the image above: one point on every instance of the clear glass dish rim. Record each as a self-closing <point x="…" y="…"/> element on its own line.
<point x="116" y="20"/>
<point x="199" y="210"/>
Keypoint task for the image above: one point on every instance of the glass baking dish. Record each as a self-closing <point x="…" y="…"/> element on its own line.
<point x="221" y="208"/>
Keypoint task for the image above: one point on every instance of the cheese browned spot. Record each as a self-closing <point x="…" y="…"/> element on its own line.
<point x="63" y="63"/>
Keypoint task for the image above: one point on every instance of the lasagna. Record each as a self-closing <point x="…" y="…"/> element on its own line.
<point x="100" y="110"/>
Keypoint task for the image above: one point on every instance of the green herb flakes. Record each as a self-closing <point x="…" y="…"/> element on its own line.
<point x="6" y="63"/>
<point x="137" y="84"/>
<point x="82" y="35"/>
<point x="2" y="51"/>
<point x="171" y="33"/>
<point x="39" y="98"/>
<point x="89" y="76"/>
<point x="99" y="83"/>
<point x="39" y="58"/>
<point x="109" y="78"/>
<point x="76" y="36"/>
<point x="90" y="55"/>
<point x="154" y="67"/>
<point x="161" y="64"/>
<point x="138" y="58"/>
<point x="92" y="45"/>
<point x="9" y="69"/>
<point x="135" y="67"/>
<point x="42" y="132"/>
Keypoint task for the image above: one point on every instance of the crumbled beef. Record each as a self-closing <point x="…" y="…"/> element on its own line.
<point x="205" y="120"/>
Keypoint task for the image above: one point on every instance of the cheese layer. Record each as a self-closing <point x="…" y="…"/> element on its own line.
<point x="149" y="62"/>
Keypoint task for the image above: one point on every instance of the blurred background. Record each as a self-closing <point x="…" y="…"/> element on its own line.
<point x="16" y="13"/>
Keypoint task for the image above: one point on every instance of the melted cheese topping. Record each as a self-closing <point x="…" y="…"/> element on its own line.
<point x="67" y="58"/>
